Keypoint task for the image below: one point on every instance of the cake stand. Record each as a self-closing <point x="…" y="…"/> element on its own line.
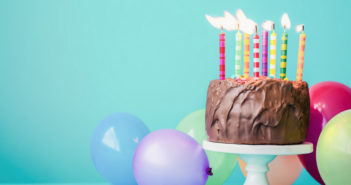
<point x="257" y="157"/>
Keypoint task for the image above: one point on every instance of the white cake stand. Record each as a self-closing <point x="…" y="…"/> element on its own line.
<point x="257" y="157"/>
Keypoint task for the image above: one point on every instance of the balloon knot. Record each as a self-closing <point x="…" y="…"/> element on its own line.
<point x="209" y="172"/>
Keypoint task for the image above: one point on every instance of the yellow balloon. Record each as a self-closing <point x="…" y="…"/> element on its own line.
<point x="334" y="150"/>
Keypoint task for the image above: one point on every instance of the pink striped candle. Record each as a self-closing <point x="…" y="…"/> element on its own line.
<point x="222" y="56"/>
<point x="256" y="55"/>
<point x="264" y="52"/>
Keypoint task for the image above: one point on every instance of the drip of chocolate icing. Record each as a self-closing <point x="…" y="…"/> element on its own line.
<point x="257" y="111"/>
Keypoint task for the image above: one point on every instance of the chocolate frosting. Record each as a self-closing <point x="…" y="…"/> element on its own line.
<point x="257" y="111"/>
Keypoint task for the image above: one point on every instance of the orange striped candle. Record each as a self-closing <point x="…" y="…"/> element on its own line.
<point x="301" y="55"/>
<point x="246" y="55"/>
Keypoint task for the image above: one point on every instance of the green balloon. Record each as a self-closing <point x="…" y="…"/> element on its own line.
<point x="222" y="164"/>
<point x="334" y="150"/>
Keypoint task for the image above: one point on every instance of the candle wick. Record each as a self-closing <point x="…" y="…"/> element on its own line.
<point x="222" y="28"/>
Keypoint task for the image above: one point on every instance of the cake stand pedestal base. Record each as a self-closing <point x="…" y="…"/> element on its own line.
<point x="257" y="168"/>
<point x="257" y="157"/>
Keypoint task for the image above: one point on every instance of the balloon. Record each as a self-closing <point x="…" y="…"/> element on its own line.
<point x="283" y="170"/>
<point x="113" y="144"/>
<point x="334" y="150"/>
<point x="326" y="100"/>
<point x="222" y="164"/>
<point x="170" y="157"/>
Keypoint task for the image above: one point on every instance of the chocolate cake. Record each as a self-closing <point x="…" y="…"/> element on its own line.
<point x="257" y="111"/>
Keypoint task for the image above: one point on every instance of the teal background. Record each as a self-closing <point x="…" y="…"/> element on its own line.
<point x="65" y="65"/>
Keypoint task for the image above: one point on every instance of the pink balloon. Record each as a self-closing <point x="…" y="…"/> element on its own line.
<point x="283" y="170"/>
<point x="327" y="100"/>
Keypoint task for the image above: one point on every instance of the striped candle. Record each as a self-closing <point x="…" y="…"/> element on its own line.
<point x="246" y="55"/>
<point x="301" y="56"/>
<point x="222" y="56"/>
<point x="256" y="55"/>
<point x="283" y="56"/>
<point x="264" y="52"/>
<point x="273" y="48"/>
<point x="238" y="55"/>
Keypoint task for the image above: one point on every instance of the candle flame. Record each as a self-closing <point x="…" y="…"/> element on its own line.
<point x="231" y="23"/>
<point x="240" y="15"/>
<point x="246" y="25"/>
<point x="216" y="22"/>
<point x="228" y="22"/>
<point x="285" y="21"/>
<point x="267" y="25"/>
<point x="299" y="28"/>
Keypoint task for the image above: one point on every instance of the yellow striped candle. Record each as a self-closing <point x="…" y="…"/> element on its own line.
<point x="273" y="51"/>
<point x="246" y="55"/>
<point x="301" y="56"/>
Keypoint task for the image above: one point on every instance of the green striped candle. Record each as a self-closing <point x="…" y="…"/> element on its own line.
<point x="238" y="55"/>
<point x="283" y="56"/>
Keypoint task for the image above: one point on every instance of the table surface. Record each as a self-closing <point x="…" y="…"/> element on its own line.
<point x="303" y="148"/>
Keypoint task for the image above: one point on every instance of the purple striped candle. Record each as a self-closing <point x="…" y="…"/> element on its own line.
<point x="264" y="52"/>
<point x="222" y="56"/>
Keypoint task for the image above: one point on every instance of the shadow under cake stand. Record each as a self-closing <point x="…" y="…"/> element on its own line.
<point x="257" y="157"/>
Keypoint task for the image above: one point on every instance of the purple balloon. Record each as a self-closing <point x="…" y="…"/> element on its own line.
<point x="327" y="100"/>
<point x="170" y="157"/>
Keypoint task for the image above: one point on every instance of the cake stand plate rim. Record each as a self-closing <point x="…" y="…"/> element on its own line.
<point x="294" y="149"/>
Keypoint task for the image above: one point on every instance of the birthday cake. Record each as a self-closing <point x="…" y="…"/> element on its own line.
<point x="257" y="111"/>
